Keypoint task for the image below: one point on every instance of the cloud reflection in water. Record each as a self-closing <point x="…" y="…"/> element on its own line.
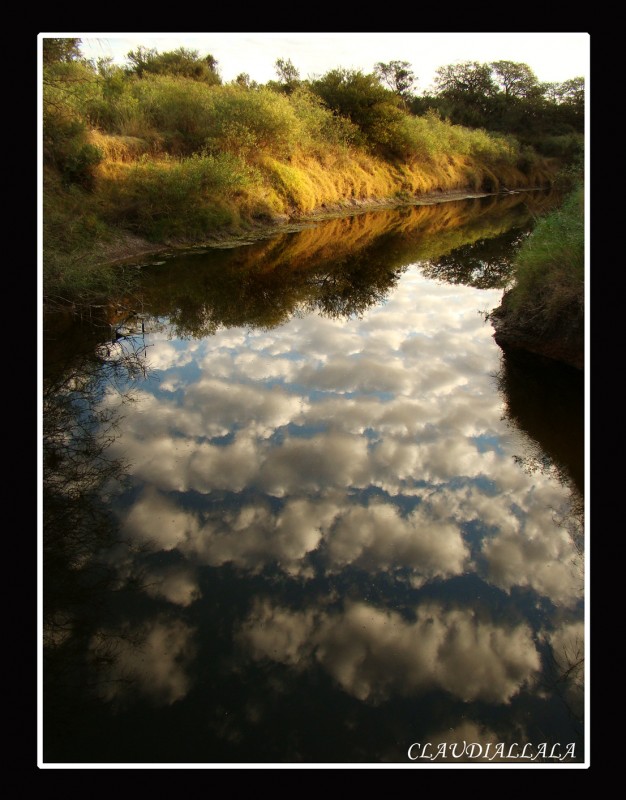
<point x="301" y="421"/>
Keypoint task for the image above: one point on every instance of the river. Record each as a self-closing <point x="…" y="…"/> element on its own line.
<point x="299" y="508"/>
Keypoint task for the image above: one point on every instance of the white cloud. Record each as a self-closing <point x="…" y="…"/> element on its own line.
<point x="224" y="405"/>
<point x="164" y="355"/>
<point x="373" y="653"/>
<point x="159" y="521"/>
<point x="323" y="461"/>
<point x="378" y="538"/>
<point x="254" y="536"/>
<point x="542" y="559"/>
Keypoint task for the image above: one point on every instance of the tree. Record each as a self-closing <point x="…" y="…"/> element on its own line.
<point x="398" y="76"/>
<point x="572" y="92"/>
<point x="244" y="79"/>
<point x="515" y="79"/>
<point x="288" y="75"/>
<point x="466" y="93"/>
<point x="182" y="62"/>
<point x="61" y="50"/>
<point x="466" y="79"/>
<point x="366" y="103"/>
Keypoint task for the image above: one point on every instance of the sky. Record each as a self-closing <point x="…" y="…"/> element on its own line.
<point x="552" y="56"/>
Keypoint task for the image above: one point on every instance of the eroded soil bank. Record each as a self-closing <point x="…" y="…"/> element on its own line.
<point x="523" y="330"/>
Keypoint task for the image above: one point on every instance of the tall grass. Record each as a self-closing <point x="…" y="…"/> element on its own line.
<point x="550" y="267"/>
<point x="172" y="159"/>
<point x="170" y="198"/>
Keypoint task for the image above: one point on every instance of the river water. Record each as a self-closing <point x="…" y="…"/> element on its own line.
<point x="299" y="508"/>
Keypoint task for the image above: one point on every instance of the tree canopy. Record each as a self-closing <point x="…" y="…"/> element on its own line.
<point x="397" y="75"/>
<point x="61" y="50"/>
<point x="182" y="62"/>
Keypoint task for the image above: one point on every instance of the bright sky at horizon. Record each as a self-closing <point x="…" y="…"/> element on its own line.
<point x="552" y="56"/>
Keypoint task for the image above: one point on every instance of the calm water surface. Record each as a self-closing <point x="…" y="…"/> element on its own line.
<point x="298" y="508"/>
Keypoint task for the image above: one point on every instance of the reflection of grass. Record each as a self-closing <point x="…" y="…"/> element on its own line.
<point x="340" y="266"/>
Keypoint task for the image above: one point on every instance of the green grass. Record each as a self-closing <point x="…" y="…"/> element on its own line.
<point x="550" y="267"/>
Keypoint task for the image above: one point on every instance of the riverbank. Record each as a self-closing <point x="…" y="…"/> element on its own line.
<point x="544" y="312"/>
<point x="562" y="341"/>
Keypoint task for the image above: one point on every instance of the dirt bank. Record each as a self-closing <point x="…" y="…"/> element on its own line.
<point x="520" y="330"/>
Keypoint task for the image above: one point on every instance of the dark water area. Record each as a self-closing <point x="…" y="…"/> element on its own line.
<point x="299" y="508"/>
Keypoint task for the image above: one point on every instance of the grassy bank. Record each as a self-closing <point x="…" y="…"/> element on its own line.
<point x="142" y="159"/>
<point x="544" y="311"/>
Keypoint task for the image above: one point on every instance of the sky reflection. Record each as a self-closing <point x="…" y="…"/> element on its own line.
<point x="300" y="424"/>
<point x="332" y="539"/>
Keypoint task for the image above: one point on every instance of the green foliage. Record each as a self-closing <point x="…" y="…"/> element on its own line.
<point x="430" y="137"/>
<point x="361" y="98"/>
<point x="506" y="96"/>
<point x="469" y="79"/>
<point x="68" y="87"/>
<point x="550" y="266"/>
<point x="176" y="199"/>
<point x="288" y="75"/>
<point x="192" y="117"/>
<point x="515" y="79"/>
<point x="71" y="226"/>
<point x="319" y="127"/>
<point x="60" y="50"/>
<point x="249" y="123"/>
<point x="178" y="108"/>
<point x="245" y="81"/>
<point x="116" y="109"/>
<point x="398" y="76"/>
<point x="79" y="162"/>
<point x="182" y="63"/>
<point x="569" y="147"/>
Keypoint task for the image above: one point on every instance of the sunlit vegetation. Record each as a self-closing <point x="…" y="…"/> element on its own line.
<point x="162" y="151"/>
<point x="507" y="97"/>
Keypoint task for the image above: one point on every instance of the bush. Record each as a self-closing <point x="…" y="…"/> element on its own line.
<point x="176" y="199"/>
<point x="366" y="103"/>
<point x="181" y="62"/>
<point x="66" y="147"/>
<point x="320" y="128"/>
<point x="245" y="122"/>
<point x="178" y="108"/>
<point x="193" y="117"/>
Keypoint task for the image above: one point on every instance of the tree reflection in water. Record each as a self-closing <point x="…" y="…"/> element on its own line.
<point x="81" y="406"/>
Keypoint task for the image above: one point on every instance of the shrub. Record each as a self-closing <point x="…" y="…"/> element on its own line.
<point x="178" y="108"/>
<point x="245" y="122"/>
<point x="320" y="128"/>
<point x="176" y="199"/>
